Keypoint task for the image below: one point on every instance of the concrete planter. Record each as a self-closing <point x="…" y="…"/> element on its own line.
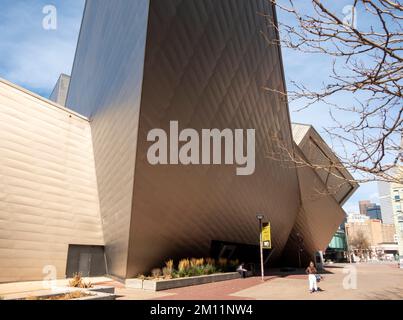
<point x="98" y="296"/>
<point x="103" y="289"/>
<point x="134" y="283"/>
<point x="160" y="285"/>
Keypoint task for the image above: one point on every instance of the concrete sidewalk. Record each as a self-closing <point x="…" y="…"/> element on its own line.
<point x="35" y="287"/>
<point x="374" y="282"/>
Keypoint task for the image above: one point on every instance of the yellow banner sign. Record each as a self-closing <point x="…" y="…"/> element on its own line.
<point x="266" y="236"/>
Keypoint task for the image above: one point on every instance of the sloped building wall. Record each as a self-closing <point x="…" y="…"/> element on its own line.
<point x="139" y="65"/>
<point x="48" y="190"/>
<point x="106" y="87"/>
<point x="206" y="65"/>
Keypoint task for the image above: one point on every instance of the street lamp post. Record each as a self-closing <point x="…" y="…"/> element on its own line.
<point x="260" y="218"/>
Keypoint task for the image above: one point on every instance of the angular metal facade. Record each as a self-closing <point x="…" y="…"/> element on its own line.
<point x="106" y="86"/>
<point x="322" y="193"/>
<point x="337" y="179"/>
<point x="205" y="65"/>
<point x="82" y="178"/>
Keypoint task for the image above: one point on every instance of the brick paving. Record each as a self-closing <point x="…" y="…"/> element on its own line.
<point x="374" y="281"/>
<point x="113" y="283"/>
<point x="214" y="291"/>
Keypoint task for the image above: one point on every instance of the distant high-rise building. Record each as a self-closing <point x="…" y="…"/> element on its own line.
<point x="59" y="93"/>
<point x="392" y="208"/>
<point x="372" y="210"/>
<point x="363" y="206"/>
<point x="384" y="190"/>
<point x="391" y="196"/>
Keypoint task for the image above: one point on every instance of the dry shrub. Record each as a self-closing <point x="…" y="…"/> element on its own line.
<point x="169" y="265"/>
<point x="156" y="273"/>
<point x="200" y="262"/>
<point x="210" y="261"/>
<point x="166" y="273"/>
<point x="193" y="262"/>
<point x="184" y="265"/>
<point x="234" y="263"/>
<point x="223" y="262"/>
<point x="196" y="262"/>
<point x="78" y="282"/>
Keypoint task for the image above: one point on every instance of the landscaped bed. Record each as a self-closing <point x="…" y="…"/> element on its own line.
<point x="188" y="272"/>
<point x="191" y="268"/>
<point x="78" y="289"/>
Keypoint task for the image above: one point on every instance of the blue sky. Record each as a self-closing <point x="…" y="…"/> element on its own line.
<point x="313" y="70"/>
<point x="34" y="58"/>
<point x="31" y="56"/>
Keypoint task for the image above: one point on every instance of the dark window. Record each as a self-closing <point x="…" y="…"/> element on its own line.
<point x="89" y="261"/>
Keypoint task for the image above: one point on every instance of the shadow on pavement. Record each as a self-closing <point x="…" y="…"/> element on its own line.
<point x="386" y="295"/>
<point x="287" y="272"/>
<point x="334" y="267"/>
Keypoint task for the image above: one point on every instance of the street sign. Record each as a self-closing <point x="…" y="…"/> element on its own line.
<point x="266" y="236"/>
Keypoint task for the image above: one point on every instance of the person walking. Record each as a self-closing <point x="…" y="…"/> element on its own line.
<point x="311" y="271"/>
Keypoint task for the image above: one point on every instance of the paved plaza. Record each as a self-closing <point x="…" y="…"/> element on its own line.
<point x="374" y="281"/>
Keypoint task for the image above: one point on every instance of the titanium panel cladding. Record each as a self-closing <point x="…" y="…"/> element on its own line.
<point x="106" y="87"/>
<point x="206" y="65"/>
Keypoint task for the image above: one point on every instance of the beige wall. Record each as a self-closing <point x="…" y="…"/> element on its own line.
<point x="48" y="192"/>
<point x="375" y="231"/>
<point x="353" y="228"/>
<point x="388" y="233"/>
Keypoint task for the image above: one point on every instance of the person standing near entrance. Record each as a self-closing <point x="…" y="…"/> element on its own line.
<point x="311" y="271"/>
<point x="242" y="271"/>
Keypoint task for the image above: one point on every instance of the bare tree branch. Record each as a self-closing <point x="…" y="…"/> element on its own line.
<point x="365" y="44"/>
